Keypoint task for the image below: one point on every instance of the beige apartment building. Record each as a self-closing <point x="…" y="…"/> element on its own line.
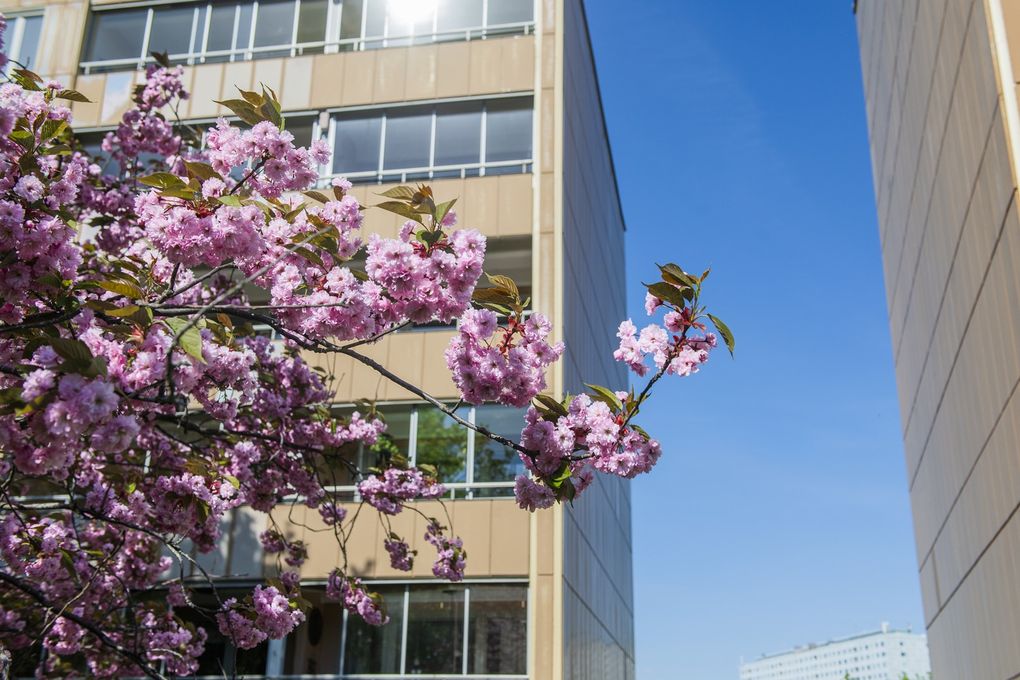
<point x="941" y="83"/>
<point x="495" y="102"/>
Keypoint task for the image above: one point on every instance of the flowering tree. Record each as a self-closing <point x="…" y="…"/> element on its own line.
<point x="138" y="405"/>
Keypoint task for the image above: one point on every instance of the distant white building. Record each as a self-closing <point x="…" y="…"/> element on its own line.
<point x="885" y="654"/>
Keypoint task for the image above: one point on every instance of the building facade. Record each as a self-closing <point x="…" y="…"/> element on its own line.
<point x="940" y="79"/>
<point x="495" y="102"/>
<point x="884" y="654"/>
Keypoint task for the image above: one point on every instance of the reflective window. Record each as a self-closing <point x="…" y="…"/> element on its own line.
<point x="116" y="35"/>
<point x="23" y="40"/>
<point x="507" y="131"/>
<point x="497" y="640"/>
<point x="171" y="30"/>
<point x="356" y="148"/>
<point x="201" y="32"/>
<point x="442" y="443"/>
<point x="435" y="630"/>
<point x="408" y="136"/>
<point x="454" y="143"/>
<point x="495" y="462"/>
<point x="376" y="649"/>
<point x="459" y="134"/>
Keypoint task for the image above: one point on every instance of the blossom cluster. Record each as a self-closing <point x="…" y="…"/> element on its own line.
<point x="451" y="558"/>
<point x="388" y="492"/>
<point x="356" y="598"/>
<point x="502" y="364"/>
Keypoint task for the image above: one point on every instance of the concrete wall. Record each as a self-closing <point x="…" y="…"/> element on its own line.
<point x="946" y="192"/>
<point x="598" y="607"/>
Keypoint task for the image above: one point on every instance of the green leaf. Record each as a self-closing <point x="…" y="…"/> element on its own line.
<point x="311" y="256"/>
<point x="75" y="352"/>
<point x="443" y="209"/>
<point x="24" y="138"/>
<point x="232" y="201"/>
<point x="551" y="404"/>
<point x="190" y="340"/>
<point x="403" y="193"/>
<point x="318" y="196"/>
<point x="202" y="171"/>
<point x="51" y="128"/>
<point x="505" y="283"/>
<point x="401" y="209"/>
<point x="724" y="331"/>
<point x="73" y="96"/>
<point x="672" y="273"/>
<point x="606" y="395"/>
<point x="122" y="288"/>
<point x="163" y="180"/>
<point x="126" y="310"/>
<point x="243" y="110"/>
<point x="667" y="293"/>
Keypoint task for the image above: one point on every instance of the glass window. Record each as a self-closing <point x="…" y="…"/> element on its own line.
<point x="116" y="35"/>
<point x="314" y="646"/>
<point x="29" y="47"/>
<point x="275" y="23"/>
<point x="435" y="630"/>
<point x="302" y="127"/>
<point x="493" y="461"/>
<point x="394" y="441"/>
<point x="356" y="145"/>
<point x="244" y="21"/>
<point x="350" y="20"/>
<point x="375" y="20"/>
<point x="171" y="30"/>
<point x="312" y="23"/>
<point x="507" y="131"/>
<point x="459" y="14"/>
<point x="376" y="649"/>
<point x="441" y="442"/>
<point x="458" y="134"/>
<point x="221" y="28"/>
<point x="497" y="630"/>
<point x="220" y="656"/>
<point x="408" y="137"/>
<point x="509" y="11"/>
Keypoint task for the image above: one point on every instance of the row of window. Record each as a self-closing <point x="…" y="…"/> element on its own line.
<point x="476" y="630"/>
<point x="207" y="32"/>
<point x="413" y="142"/>
<point x="470" y="464"/>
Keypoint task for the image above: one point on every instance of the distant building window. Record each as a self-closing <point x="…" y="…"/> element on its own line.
<point x="452" y="139"/>
<point x="22" y="39"/>
<point x="196" y="33"/>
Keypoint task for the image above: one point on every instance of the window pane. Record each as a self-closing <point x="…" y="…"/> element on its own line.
<point x="356" y="148"/>
<point x="508" y="131"/>
<point x="435" y="629"/>
<point x="375" y="21"/>
<point x="376" y="649"/>
<point x="312" y="21"/>
<point x="458" y="134"/>
<point x="301" y="127"/>
<point x="394" y="441"/>
<point x="275" y="23"/>
<point x="244" y="27"/>
<point x="116" y="35"/>
<point x="221" y="28"/>
<point x="350" y="19"/>
<point x="441" y="442"/>
<point x="459" y="14"/>
<point x="498" y="630"/>
<point x="29" y="41"/>
<point x="171" y="30"/>
<point x="510" y="11"/>
<point x="511" y="256"/>
<point x="314" y="646"/>
<point x="495" y="462"/>
<point x="408" y="136"/>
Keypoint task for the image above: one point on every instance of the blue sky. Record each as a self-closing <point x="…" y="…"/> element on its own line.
<point x="779" y="513"/>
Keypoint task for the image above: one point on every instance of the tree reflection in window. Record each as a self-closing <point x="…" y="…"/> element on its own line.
<point x="441" y="443"/>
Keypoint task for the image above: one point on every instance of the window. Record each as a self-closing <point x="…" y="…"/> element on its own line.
<point x="202" y="32"/>
<point x="23" y="39"/>
<point x="470" y="466"/>
<point x="449" y="139"/>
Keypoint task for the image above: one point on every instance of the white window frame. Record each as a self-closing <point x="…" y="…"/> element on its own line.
<point x="198" y="52"/>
